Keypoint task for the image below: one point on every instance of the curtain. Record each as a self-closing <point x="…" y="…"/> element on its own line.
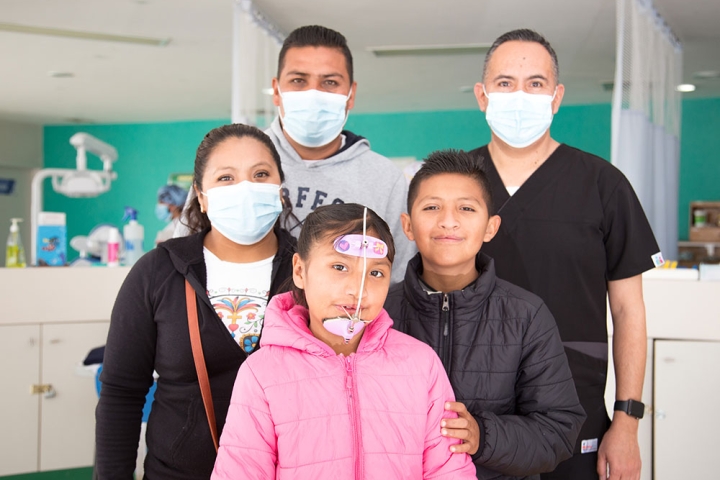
<point x="646" y="115"/>
<point x="256" y="45"/>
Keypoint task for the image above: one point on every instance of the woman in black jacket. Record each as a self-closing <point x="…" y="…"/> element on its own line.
<point x="236" y="259"/>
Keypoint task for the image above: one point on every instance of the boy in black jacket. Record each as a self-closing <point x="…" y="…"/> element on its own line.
<point x="519" y="413"/>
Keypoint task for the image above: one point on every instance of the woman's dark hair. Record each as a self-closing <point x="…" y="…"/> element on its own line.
<point x="329" y="222"/>
<point x="197" y="220"/>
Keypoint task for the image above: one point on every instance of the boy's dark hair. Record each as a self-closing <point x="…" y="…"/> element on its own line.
<point x="329" y="222"/>
<point x="316" y="36"/>
<point x="522" y="35"/>
<point x="197" y="220"/>
<point x="451" y="161"/>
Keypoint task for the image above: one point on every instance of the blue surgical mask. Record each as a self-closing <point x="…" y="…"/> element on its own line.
<point x="162" y="212"/>
<point x="245" y="212"/>
<point x="519" y="118"/>
<point x="313" y="118"/>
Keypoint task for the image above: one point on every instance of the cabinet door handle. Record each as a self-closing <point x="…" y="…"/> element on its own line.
<point x="47" y="390"/>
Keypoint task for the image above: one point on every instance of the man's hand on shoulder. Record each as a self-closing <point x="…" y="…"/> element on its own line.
<point x="464" y="428"/>
<point x="619" y="453"/>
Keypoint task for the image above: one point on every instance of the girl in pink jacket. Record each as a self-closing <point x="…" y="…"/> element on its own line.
<point x="335" y="392"/>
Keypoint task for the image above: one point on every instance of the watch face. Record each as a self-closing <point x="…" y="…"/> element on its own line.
<point x="631" y="407"/>
<point x="636" y="409"/>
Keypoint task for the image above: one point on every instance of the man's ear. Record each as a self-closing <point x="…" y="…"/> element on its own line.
<point x="559" y="94"/>
<point x="351" y="100"/>
<point x="492" y="228"/>
<point x="276" y="92"/>
<point x="298" y="269"/>
<point x="407" y="226"/>
<point x="480" y="96"/>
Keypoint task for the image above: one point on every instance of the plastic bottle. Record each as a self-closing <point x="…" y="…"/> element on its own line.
<point x="113" y="247"/>
<point x="134" y="234"/>
<point x="15" y="254"/>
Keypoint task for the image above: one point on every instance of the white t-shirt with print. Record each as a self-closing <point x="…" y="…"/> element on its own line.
<point x="239" y="294"/>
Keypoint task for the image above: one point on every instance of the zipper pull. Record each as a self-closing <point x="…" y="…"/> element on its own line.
<point x="446" y="308"/>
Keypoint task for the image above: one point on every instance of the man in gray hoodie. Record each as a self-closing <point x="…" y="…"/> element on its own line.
<point x="314" y="91"/>
<point x="323" y="164"/>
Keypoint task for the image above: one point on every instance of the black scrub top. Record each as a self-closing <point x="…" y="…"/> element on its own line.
<point x="575" y="224"/>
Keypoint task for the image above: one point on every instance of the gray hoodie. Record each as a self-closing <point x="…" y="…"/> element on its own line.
<point x="354" y="174"/>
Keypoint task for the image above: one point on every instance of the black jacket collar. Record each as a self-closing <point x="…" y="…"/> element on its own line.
<point x="468" y="299"/>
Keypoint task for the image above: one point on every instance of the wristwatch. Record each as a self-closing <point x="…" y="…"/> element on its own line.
<point x="633" y="408"/>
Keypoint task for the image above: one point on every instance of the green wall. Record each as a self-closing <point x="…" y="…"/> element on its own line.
<point x="148" y="153"/>
<point x="699" y="157"/>
<point x="418" y="133"/>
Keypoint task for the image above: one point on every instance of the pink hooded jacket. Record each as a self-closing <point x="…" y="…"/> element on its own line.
<point x="299" y="411"/>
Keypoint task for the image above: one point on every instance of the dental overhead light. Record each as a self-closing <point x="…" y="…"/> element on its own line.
<point x="74" y="183"/>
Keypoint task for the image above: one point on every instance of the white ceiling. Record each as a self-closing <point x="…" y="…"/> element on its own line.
<point x="190" y="78"/>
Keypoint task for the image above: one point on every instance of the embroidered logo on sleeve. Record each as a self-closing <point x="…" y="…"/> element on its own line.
<point x="658" y="259"/>
<point x="589" y="446"/>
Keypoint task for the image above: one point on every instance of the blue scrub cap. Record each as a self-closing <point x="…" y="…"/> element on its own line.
<point x="172" y="194"/>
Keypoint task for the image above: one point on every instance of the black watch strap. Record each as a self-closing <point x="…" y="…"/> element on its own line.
<point x="633" y="408"/>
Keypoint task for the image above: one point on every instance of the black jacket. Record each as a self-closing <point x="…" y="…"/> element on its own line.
<point x="502" y="351"/>
<point x="149" y="331"/>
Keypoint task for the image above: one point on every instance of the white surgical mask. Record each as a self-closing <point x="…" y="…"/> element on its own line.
<point x="519" y="118"/>
<point x="313" y="118"/>
<point x="245" y="212"/>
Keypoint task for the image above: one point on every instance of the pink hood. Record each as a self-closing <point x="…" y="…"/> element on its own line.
<point x="299" y="411"/>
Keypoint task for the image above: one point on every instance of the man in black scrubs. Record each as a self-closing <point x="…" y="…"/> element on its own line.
<point x="572" y="232"/>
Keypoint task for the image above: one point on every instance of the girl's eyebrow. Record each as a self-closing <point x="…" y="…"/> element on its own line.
<point x="382" y="261"/>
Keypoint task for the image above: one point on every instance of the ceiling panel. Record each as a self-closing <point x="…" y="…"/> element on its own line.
<point x="190" y="77"/>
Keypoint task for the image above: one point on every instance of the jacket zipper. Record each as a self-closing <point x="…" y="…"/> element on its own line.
<point x="446" y="332"/>
<point x="354" y="421"/>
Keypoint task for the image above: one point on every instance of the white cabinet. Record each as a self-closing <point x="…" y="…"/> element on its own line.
<point x="47" y="431"/>
<point x="19" y="419"/>
<point x="686" y="424"/>
<point x="51" y="318"/>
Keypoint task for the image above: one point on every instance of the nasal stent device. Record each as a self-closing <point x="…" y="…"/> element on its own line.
<point x="363" y="246"/>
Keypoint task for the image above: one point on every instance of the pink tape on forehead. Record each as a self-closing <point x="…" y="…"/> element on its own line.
<point x="353" y="245"/>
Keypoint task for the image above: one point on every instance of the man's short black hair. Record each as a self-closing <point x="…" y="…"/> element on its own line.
<point x="316" y="36"/>
<point x="452" y="161"/>
<point x="522" y="35"/>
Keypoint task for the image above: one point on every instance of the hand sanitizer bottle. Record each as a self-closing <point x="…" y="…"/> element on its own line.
<point x="15" y="253"/>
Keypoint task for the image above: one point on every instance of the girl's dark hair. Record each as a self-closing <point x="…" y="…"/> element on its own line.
<point x="329" y="222"/>
<point x="197" y="220"/>
<point x="452" y="161"/>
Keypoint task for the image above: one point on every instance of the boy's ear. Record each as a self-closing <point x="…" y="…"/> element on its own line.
<point x="407" y="226"/>
<point x="298" y="271"/>
<point x="492" y="228"/>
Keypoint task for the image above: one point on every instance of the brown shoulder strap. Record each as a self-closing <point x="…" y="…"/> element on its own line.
<point x="200" y="360"/>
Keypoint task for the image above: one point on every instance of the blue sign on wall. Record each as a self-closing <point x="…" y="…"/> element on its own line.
<point x="7" y="185"/>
